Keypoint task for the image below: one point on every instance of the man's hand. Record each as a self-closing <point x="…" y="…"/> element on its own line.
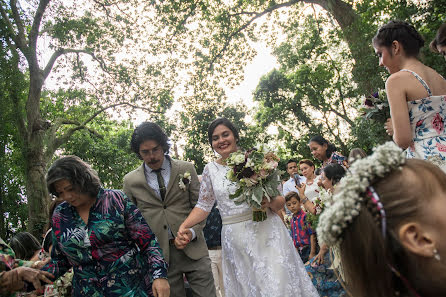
<point x="161" y="288"/>
<point x="184" y="236"/>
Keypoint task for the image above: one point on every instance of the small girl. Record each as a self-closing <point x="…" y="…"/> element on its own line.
<point x="388" y="220"/>
<point x="301" y="232"/>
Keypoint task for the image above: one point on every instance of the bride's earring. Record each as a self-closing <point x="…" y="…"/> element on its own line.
<point x="436" y="255"/>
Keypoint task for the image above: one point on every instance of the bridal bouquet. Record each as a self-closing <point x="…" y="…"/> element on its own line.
<point x="324" y="199"/>
<point x="256" y="175"/>
<point x="376" y="107"/>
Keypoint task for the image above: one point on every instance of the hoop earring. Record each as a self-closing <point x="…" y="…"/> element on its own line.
<point x="436" y="255"/>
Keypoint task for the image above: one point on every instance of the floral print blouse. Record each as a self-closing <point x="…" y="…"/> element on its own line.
<point x="114" y="254"/>
<point x="427" y="116"/>
<point x="336" y="158"/>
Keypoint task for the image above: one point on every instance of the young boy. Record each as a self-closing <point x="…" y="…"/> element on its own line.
<point x="301" y="232"/>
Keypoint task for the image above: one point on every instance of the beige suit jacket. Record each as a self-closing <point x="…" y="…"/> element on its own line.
<point x="173" y="210"/>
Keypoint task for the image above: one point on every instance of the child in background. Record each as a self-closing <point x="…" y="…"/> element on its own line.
<point x="301" y="232"/>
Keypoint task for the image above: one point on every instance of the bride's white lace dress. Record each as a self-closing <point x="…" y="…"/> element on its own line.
<point x="259" y="258"/>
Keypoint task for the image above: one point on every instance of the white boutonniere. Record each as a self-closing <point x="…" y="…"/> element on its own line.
<point x="184" y="180"/>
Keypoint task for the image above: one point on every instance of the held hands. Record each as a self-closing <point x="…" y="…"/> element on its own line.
<point x="161" y="288"/>
<point x="40" y="264"/>
<point x="184" y="236"/>
<point x="389" y="127"/>
<point x="15" y="278"/>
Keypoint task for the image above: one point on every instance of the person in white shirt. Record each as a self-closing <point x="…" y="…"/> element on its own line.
<point x="293" y="170"/>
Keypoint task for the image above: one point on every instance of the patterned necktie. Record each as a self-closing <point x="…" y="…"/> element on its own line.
<point x="161" y="185"/>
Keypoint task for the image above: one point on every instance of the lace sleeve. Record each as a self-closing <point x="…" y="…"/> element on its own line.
<point x="206" y="197"/>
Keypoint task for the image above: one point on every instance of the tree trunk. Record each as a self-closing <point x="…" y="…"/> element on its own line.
<point x="2" y="191"/>
<point x="364" y="72"/>
<point x="36" y="190"/>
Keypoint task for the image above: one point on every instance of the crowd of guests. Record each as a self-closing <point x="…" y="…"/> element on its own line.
<point x="168" y="234"/>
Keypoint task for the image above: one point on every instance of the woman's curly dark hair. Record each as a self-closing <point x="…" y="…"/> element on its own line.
<point x="79" y="173"/>
<point x="149" y="131"/>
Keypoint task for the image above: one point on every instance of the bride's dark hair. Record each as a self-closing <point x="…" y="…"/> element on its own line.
<point x="404" y="33"/>
<point x="224" y="122"/>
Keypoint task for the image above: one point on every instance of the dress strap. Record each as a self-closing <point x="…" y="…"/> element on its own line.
<point x="420" y="80"/>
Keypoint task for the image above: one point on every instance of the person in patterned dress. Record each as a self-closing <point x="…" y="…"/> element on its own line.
<point x="416" y="94"/>
<point x="103" y="236"/>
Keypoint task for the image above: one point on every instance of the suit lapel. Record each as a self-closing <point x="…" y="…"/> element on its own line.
<point x="174" y="170"/>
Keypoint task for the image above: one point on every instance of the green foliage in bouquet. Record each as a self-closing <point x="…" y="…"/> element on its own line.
<point x="256" y="175"/>
<point x="376" y="107"/>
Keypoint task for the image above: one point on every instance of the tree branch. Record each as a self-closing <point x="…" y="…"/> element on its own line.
<point x="18" y="21"/>
<point x="34" y="33"/>
<point x="249" y="22"/>
<point x="10" y="28"/>
<point x="63" y="51"/>
<point x="56" y="142"/>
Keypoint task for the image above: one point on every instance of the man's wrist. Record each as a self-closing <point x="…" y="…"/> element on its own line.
<point x="304" y="200"/>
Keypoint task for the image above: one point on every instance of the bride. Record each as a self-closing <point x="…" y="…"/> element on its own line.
<point x="259" y="258"/>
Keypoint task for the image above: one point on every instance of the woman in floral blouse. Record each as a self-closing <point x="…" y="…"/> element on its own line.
<point x="326" y="152"/>
<point x="103" y="236"/>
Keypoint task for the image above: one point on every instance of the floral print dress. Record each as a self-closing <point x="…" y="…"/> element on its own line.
<point x="114" y="254"/>
<point x="427" y="117"/>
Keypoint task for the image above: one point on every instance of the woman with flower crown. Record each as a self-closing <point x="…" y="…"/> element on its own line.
<point x="387" y="220"/>
<point x="259" y="258"/>
<point x="416" y="94"/>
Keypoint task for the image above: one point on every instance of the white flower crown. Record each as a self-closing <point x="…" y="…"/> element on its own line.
<point x="347" y="200"/>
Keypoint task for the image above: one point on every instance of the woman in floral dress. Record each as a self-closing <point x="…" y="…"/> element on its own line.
<point x="416" y="94"/>
<point x="103" y="236"/>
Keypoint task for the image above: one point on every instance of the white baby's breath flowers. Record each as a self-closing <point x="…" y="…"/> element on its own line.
<point x="347" y="199"/>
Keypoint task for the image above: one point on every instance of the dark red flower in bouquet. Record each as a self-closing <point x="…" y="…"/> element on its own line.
<point x="246" y="172"/>
<point x="238" y="168"/>
<point x="368" y="102"/>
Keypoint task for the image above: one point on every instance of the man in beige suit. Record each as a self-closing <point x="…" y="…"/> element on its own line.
<point x="165" y="191"/>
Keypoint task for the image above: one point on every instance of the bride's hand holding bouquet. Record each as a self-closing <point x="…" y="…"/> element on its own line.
<point x="257" y="177"/>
